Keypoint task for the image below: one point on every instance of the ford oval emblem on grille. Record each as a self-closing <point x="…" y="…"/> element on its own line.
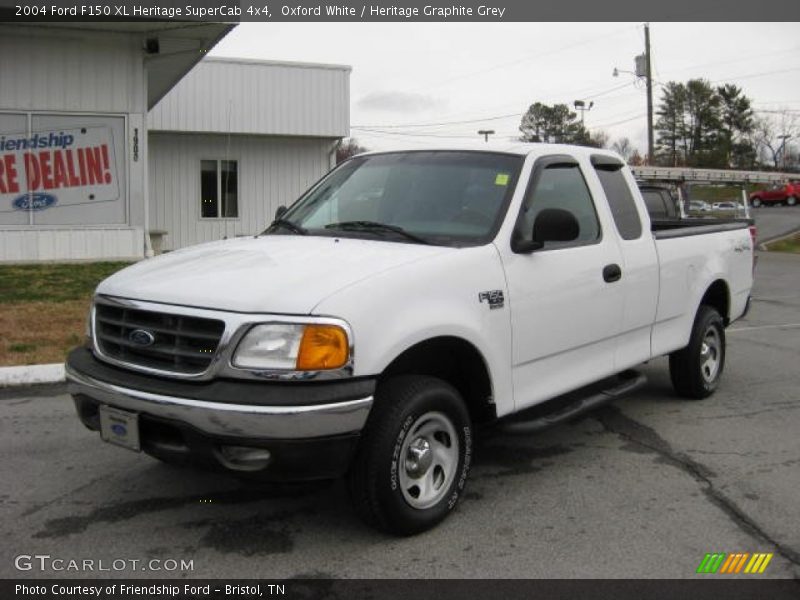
<point x="141" y="337"/>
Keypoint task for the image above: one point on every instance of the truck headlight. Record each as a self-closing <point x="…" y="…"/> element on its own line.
<point x="293" y="347"/>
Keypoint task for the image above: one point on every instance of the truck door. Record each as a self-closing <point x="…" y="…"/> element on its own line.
<point x="565" y="299"/>
<point x="640" y="268"/>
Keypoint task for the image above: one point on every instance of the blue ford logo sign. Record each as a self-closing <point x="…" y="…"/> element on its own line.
<point x="141" y="337"/>
<point x="119" y="429"/>
<point x="36" y="201"/>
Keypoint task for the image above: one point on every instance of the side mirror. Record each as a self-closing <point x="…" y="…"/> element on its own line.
<point x="280" y="211"/>
<point x="551" y="225"/>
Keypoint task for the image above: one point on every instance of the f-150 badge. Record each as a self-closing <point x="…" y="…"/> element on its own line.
<point x="494" y="298"/>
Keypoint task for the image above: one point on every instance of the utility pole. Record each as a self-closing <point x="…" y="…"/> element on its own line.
<point x="649" y="75"/>
<point x="644" y="71"/>
<point x="486" y="133"/>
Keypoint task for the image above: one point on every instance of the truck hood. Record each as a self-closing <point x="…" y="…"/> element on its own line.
<point x="269" y="274"/>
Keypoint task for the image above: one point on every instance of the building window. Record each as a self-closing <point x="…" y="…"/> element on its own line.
<point x="219" y="189"/>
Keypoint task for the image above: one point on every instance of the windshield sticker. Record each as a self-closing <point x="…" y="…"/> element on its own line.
<point x="501" y="179"/>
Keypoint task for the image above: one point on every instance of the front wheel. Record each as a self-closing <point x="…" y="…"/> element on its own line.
<point x="791" y="201"/>
<point x="696" y="369"/>
<point x="414" y="456"/>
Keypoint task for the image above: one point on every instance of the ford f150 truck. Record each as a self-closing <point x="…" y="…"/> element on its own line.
<point x="406" y="299"/>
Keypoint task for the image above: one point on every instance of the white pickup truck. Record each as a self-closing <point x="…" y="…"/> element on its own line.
<point x="407" y="298"/>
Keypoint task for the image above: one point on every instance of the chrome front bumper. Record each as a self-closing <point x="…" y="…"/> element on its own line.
<point x="245" y="421"/>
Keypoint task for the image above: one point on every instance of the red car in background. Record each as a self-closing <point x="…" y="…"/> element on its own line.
<point x="788" y="193"/>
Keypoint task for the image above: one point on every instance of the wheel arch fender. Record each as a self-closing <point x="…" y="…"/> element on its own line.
<point x="717" y="295"/>
<point x="453" y="354"/>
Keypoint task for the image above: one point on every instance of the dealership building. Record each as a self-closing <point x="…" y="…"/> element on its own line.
<point x="118" y="140"/>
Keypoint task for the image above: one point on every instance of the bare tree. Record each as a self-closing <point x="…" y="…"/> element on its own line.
<point x="771" y="135"/>
<point x="599" y="139"/>
<point x="347" y="148"/>
<point x="624" y="148"/>
<point x="635" y="159"/>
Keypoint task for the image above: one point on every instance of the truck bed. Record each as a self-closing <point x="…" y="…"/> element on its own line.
<point x="673" y="228"/>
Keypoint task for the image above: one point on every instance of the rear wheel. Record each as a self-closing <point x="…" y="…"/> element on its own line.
<point x="414" y="456"/>
<point x="756" y="202"/>
<point x="791" y="200"/>
<point x="696" y="369"/>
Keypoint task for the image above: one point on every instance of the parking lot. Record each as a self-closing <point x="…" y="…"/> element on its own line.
<point x="775" y="221"/>
<point x="643" y="488"/>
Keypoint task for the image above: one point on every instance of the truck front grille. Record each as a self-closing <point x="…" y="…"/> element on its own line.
<point x="164" y="341"/>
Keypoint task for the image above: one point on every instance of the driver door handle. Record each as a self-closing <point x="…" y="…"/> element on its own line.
<point x="612" y="273"/>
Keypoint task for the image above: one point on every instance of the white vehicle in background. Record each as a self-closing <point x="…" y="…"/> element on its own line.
<point x="699" y="206"/>
<point x="405" y="299"/>
<point x="725" y="205"/>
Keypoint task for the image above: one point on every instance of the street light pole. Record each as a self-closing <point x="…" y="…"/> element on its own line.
<point x="649" y="74"/>
<point x="784" y="137"/>
<point x="583" y="107"/>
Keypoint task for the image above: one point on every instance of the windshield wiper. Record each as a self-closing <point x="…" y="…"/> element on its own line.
<point x="290" y="225"/>
<point x="375" y="227"/>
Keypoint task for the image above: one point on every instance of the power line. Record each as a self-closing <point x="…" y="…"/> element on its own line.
<point x="493" y="118"/>
<point x="633" y="118"/>
<point x="504" y="65"/>
<point x="478" y="120"/>
<point x="736" y="60"/>
<point x="753" y="75"/>
<point x="414" y="134"/>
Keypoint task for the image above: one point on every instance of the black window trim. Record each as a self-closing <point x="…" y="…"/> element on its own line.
<point x="554" y="161"/>
<point x="602" y="162"/>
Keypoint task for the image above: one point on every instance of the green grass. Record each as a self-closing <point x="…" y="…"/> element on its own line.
<point x="791" y="244"/>
<point x="43" y="309"/>
<point x="720" y="193"/>
<point x="22" y="347"/>
<point x="53" y="282"/>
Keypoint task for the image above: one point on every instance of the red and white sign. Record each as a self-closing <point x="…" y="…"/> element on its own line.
<point x="75" y="166"/>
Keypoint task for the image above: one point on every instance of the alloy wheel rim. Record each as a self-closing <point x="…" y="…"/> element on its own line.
<point x="710" y="354"/>
<point x="428" y="460"/>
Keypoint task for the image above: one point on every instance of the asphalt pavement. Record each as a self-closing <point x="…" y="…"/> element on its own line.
<point x="775" y="221"/>
<point x="643" y="488"/>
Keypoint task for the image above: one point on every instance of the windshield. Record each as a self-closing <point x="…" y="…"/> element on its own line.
<point x="449" y="198"/>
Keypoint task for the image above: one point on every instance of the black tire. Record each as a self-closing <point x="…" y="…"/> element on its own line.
<point x="403" y="406"/>
<point x="756" y="202"/>
<point x="696" y="369"/>
<point x="791" y="201"/>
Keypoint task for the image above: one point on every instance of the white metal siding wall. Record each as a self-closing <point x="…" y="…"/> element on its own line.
<point x="224" y="96"/>
<point x="73" y="244"/>
<point x="60" y="72"/>
<point x="272" y="171"/>
<point x="70" y="71"/>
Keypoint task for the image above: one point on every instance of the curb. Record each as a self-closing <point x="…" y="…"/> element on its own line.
<point x="763" y="245"/>
<point x="31" y="375"/>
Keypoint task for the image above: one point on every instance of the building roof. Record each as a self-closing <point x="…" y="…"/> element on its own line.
<point x="257" y="97"/>
<point x="180" y="46"/>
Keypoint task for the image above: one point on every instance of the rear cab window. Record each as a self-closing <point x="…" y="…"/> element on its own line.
<point x="619" y="196"/>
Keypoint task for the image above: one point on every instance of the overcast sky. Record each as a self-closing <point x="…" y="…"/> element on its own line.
<point x="423" y="73"/>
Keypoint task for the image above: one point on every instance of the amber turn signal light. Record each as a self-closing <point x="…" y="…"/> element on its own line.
<point x="323" y="347"/>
